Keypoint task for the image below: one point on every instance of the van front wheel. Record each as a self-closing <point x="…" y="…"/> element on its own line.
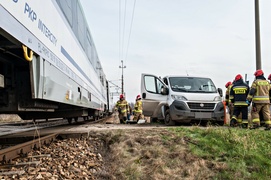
<point x="168" y="120"/>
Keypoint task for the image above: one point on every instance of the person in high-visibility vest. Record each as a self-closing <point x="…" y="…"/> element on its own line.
<point x="138" y="109"/>
<point x="122" y="107"/>
<point x="269" y="78"/>
<point x="238" y="96"/>
<point x="229" y="85"/>
<point x="259" y="95"/>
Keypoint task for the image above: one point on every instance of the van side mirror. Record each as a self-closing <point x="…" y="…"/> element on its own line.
<point x="164" y="91"/>
<point x="220" y="91"/>
<point x="143" y="95"/>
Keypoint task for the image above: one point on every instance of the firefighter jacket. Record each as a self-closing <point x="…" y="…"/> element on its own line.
<point x="138" y="106"/>
<point x="122" y="106"/>
<point x="239" y="92"/>
<point x="227" y="96"/>
<point x="260" y="91"/>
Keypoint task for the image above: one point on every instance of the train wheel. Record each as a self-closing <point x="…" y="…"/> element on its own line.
<point x="76" y="119"/>
<point x="95" y="118"/>
<point x="69" y="120"/>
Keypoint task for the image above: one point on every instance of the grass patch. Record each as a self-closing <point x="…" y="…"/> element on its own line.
<point x="187" y="153"/>
<point x="246" y="153"/>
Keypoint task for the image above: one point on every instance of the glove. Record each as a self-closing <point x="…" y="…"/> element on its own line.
<point x="248" y="102"/>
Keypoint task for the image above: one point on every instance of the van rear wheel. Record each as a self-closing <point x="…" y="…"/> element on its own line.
<point x="168" y="120"/>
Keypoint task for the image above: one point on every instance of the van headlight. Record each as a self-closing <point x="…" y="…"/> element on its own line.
<point x="218" y="98"/>
<point x="176" y="97"/>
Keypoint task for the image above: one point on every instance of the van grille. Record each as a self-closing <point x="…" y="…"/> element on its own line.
<point x="201" y="105"/>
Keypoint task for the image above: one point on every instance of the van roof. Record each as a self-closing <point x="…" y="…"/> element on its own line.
<point x="168" y="76"/>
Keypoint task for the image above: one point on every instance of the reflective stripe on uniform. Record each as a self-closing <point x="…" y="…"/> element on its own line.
<point x="256" y="120"/>
<point x="240" y="90"/>
<point x="245" y="121"/>
<point x="259" y="98"/>
<point x="240" y="103"/>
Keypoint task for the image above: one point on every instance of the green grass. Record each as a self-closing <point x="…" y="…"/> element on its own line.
<point x="247" y="153"/>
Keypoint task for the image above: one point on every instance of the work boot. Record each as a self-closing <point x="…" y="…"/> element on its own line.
<point x="233" y="123"/>
<point x="244" y="125"/>
<point x="267" y="127"/>
<point x="254" y="126"/>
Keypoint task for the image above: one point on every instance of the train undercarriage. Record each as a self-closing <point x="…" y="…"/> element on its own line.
<point x="17" y="88"/>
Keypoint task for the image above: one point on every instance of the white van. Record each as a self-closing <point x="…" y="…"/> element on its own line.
<point x="182" y="99"/>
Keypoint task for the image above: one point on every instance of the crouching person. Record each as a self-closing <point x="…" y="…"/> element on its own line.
<point x="122" y="107"/>
<point x="138" y="110"/>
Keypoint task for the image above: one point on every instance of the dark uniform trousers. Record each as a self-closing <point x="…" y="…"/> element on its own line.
<point x="244" y="113"/>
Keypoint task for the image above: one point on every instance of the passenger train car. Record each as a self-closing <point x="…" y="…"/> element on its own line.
<point x="49" y="66"/>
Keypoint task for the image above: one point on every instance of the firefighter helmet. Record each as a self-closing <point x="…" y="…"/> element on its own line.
<point x="227" y="85"/>
<point x="121" y="96"/>
<point x="269" y="77"/>
<point x="259" y="72"/>
<point x="237" y="77"/>
<point x="138" y="97"/>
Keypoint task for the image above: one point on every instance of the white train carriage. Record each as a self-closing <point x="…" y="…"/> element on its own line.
<point x="49" y="66"/>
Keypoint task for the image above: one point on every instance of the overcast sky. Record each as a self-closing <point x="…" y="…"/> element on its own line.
<point x="213" y="38"/>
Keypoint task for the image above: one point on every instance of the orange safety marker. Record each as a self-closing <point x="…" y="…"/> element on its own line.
<point x="225" y="112"/>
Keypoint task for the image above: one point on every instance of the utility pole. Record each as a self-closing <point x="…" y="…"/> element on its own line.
<point x="257" y="35"/>
<point x="122" y="84"/>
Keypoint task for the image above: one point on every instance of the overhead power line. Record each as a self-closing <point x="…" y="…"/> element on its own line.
<point x="122" y="39"/>
<point x="123" y="28"/>
<point x="131" y="25"/>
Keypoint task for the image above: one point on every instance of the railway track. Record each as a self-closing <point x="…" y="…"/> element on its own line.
<point x="13" y="128"/>
<point x="10" y="153"/>
<point x="18" y="127"/>
<point x="19" y="143"/>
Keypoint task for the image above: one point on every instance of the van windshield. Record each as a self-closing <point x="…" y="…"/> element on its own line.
<point x="192" y="84"/>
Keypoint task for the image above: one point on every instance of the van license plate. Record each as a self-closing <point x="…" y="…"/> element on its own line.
<point x="202" y="115"/>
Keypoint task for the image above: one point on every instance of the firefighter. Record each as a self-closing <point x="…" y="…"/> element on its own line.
<point x="259" y="95"/>
<point x="238" y="96"/>
<point x="122" y="107"/>
<point x="269" y="78"/>
<point x="138" y="110"/>
<point x="227" y="98"/>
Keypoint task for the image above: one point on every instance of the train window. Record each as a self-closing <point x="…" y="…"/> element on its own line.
<point x="80" y="93"/>
<point x="98" y="66"/>
<point x="66" y="7"/>
<point x="102" y="80"/>
<point x="89" y="96"/>
<point x="80" y="25"/>
<point x="95" y="57"/>
<point x="89" y="48"/>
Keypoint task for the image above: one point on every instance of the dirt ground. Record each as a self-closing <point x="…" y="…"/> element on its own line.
<point x="123" y="152"/>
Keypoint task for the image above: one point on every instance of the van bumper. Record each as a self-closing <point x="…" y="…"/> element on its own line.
<point x="180" y="111"/>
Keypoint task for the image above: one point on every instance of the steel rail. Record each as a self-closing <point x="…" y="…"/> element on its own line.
<point x="10" y="153"/>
